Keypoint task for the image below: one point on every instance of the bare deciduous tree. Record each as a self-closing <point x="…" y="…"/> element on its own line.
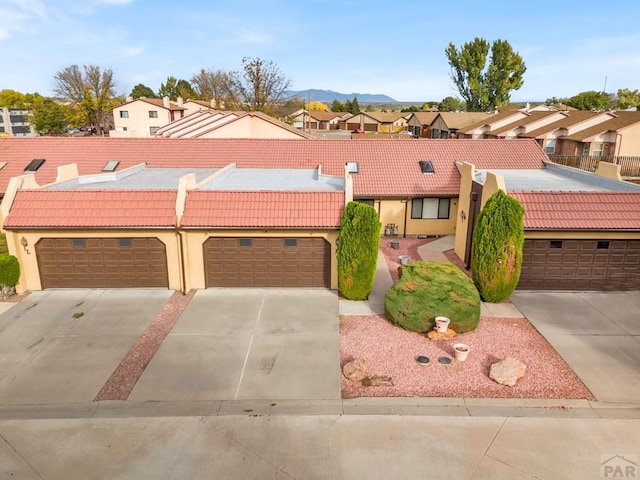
<point x="218" y="85"/>
<point x="93" y="91"/>
<point x="261" y="84"/>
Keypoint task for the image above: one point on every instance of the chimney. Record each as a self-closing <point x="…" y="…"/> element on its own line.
<point x="165" y="102"/>
<point x="129" y="99"/>
<point x="180" y="102"/>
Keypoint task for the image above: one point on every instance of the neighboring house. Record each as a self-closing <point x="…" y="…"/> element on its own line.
<point x="382" y="122"/>
<point x="419" y="123"/>
<point x="193" y="106"/>
<point x="582" y="230"/>
<point x="143" y="116"/>
<point x="14" y="122"/>
<point x="317" y="120"/>
<point x="206" y="210"/>
<point x="225" y="124"/>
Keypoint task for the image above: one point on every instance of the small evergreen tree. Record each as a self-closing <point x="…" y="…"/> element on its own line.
<point x="498" y="240"/>
<point x="358" y="250"/>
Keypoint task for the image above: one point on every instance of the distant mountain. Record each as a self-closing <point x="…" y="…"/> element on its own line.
<point x="329" y="96"/>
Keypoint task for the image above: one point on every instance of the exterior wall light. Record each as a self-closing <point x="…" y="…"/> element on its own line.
<point x="463" y="215"/>
<point x="25" y="244"/>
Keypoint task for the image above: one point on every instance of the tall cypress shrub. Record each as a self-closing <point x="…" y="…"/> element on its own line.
<point x="358" y="250"/>
<point x="498" y="240"/>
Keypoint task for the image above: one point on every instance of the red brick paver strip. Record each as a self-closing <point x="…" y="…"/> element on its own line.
<point x="121" y="382"/>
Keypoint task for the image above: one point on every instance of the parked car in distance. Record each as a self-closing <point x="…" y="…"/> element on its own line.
<point x="358" y="130"/>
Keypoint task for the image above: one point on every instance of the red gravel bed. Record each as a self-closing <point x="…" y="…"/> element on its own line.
<point x="408" y="246"/>
<point x="121" y="382"/>
<point x="391" y="351"/>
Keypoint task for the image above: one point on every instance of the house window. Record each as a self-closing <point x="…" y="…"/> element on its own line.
<point x="244" y="242"/>
<point x="430" y="208"/>
<point x="152" y="130"/>
<point x="550" y="147"/>
<point x="585" y="149"/>
<point x="444" y="134"/>
<point x="124" y="114"/>
<point x="78" y="243"/>
<point x="124" y="242"/>
<point x="555" y="244"/>
<point x="603" y="245"/>
<point x="290" y="242"/>
<point x="435" y="133"/>
<point x="598" y="149"/>
<point x="153" y="114"/>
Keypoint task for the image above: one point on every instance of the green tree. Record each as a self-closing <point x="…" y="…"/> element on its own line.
<point x="12" y="99"/>
<point x="412" y="108"/>
<point x="352" y="106"/>
<point x="141" y="90"/>
<point x="498" y="240"/>
<point x="628" y="98"/>
<point x="485" y="86"/>
<point x="451" y="104"/>
<point x="47" y="115"/>
<point x="337" y="106"/>
<point x="261" y="85"/>
<point x="92" y="91"/>
<point x="174" y="88"/>
<point x="358" y="250"/>
<point x="590" y="100"/>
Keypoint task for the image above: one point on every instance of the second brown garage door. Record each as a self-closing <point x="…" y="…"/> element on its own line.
<point x="267" y="262"/>
<point x="580" y="265"/>
<point x="102" y="262"/>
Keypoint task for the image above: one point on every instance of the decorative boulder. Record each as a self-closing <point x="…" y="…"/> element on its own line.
<point x="428" y="289"/>
<point x="356" y="370"/>
<point x="507" y="371"/>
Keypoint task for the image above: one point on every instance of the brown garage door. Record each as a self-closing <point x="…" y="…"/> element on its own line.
<point x="580" y="265"/>
<point x="102" y="262"/>
<point x="267" y="262"/>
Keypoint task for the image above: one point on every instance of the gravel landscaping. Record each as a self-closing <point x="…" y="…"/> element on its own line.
<point x="392" y="352"/>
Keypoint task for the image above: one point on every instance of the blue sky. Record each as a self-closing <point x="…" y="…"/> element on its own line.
<point x="394" y="48"/>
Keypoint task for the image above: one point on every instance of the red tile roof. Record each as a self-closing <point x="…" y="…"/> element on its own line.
<point x="580" y="210"/>
<point x="387" y="168"/>
<point x="93" y="208"/>
<point x="234" y="209"/>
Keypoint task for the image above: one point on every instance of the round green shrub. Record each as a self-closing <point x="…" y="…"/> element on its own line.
<point x="498" y="240"/>
<point x="9" y="270"/>
<point x="427" y="290"/>
<point x="358" y="250"/>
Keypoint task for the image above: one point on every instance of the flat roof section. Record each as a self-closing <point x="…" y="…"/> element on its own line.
<point x="270" y="179"/>
<point x="143" y="179"/>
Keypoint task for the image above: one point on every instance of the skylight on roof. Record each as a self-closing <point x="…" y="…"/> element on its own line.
<point x="352" y="167"/>
<point x="34" y="165"/>
<point x="426" y="166"/>
<point x="111" y="165"/>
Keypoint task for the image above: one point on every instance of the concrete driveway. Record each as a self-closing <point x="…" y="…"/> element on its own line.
<point x="60" y="346"/>
<point x="597" y="334"/>
<point x="246" y="344"/>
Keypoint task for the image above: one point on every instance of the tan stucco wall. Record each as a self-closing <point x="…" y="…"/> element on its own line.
<point x="30" y="273"/>
<point x="189" y="241"/>
<point x="392" y="211"/>
<point x="138" y="123"/>
<point x="251" y="127"/>
<point x="467" y="172"/>
<point x="194" y="255"/>
<point x="628" y="141"/>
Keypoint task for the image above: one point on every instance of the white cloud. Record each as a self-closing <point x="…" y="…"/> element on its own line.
<point x="132" y="51"/>
<point x="247" y="36"/>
